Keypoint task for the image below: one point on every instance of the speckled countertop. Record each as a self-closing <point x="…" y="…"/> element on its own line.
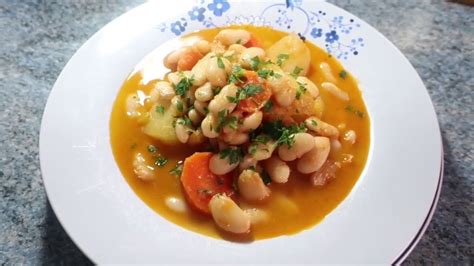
<point x="37" y="38"/>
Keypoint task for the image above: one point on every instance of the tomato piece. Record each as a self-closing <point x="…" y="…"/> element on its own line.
<point x="257" y="101"/>
<point x="200" y="184"/>
<point x="253" y="42"/>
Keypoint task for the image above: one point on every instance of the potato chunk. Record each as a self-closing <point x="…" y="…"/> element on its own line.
<point x="298" y="54"/>
<point x="160" y="126"/>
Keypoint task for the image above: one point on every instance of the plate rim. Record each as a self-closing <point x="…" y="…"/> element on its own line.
<point x="403" y="255"/>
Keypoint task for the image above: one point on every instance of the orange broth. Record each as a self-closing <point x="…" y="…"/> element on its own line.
<point x="292" y="207"/>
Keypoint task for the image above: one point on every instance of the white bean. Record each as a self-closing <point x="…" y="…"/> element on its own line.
<point x="256" y="216"/>
<point x="309" y="85"/>
<point x="199" y="71"/>
<point x="209" y="125"/>
<point x="201" y="107"/>
<point x="175" y="204"/>
<point x="251" y="186"/>
<point x="217" y="69"/>
<point x="221" y="166"/>
<point x="195" y="117"/>
<point x="322" y="128"/>
<point x="303" y="143"/>
<point x="178" y="105"/>
<point x="313" y="160"/>
<point x="327" y="72"/>
<point x="350" y="136"/>
<point x="335" y="148"/>
<point x="231" y="36"/>
<point x="204" y="93"/>
<point x="182" y="130"/>
<point x="262" y="151"/>
<point x="141" y="169"/>
<point x="162" y="91"/>
<point x="228" y="215"/>
<point x="235" y="138"/>
<point x="247" y="162"/>
<point x="335" y="90"/>
<point x="203" y="46"/>
<point x="252" y="121"/>
<point x="238" y="48"/>
<point x="171" y="60"/>
<point x="133" y="105"/>
<point x="221" y="101"/>
<point x="283" y="88"/>
<point x="196" y="137"/>
<point x="248" y="54"/>
<point x="277" y="169"/>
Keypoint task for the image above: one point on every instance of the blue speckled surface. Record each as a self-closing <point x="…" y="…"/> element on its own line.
<point x="38" y="37"/>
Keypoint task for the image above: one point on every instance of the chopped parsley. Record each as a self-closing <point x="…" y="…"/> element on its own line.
<point x="300" y="90"/>
<point x="314" y="123"/>
<point x="343" y="74"/>
<point x="151" y="148"/>
<point x="237" y="74"/>
<point x="281" y="58"/>
<point x="224" y="120"/>
<point x="284" y="135"/>
<point x="262" y="139"/>
<point x="220" y="63"/>
<point x="268" y="106"/>
<point x="180" y="106"/>
<point x="184" y="85"/>
<point x="233" y="155"/>
<point x="161" y="161"/>
<point x="239" y="41"/>
<point x="255" y="63"/>
<point x="185" y="121"/>
<point x="160" y="109"/>
<point x="177" y="169"/>
<point x="265" y="73"/>
<point x="296" y="71"/>
<point x="248" y="91"/>
<point x="216" y="90"/>
<point x="355" y="111"/>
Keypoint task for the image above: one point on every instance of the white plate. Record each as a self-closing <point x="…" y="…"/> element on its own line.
<point x="379" y="222"/>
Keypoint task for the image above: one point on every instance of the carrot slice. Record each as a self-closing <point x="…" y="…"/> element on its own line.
<point x="257" y="101"/>
<point x="253" y="42"/>
<point x="200" y="184"/>
<point x="188" y="59"/>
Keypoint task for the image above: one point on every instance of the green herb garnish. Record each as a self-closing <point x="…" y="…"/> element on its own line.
<point x="180" y="106"/>
<point x="160" y="109"/>
<point x="248" y="91"/>
<point x="296" y="71"/>
<point x="343" y="74"/>
<point x="237" y="74"/>
<point x="314" y="123"/>
<point x="284" y="135"/>
<point x="161" y="161"/>
<point x="233" y="155"/>
<point x="177" y="169"/>
<point x="220" y="63"/>
<point x="255" y="63"/>
<point x="268" y="106"/>
<point x="355" y="111"/>
<point x="300" y="90"/>
<point x="184" y="85"/>
<point x="281" y="58"/>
